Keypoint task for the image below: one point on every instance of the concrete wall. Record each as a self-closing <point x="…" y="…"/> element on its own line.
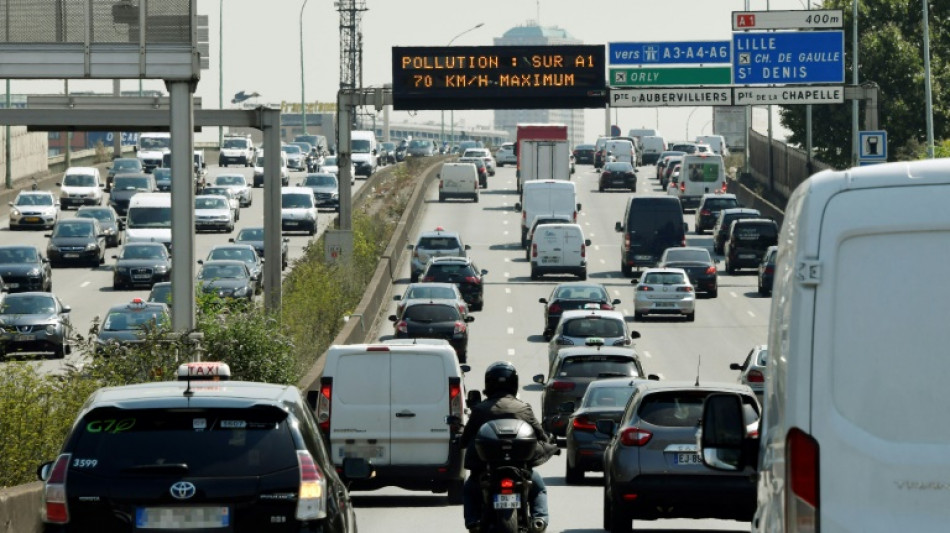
<point x="29" y="152"/>
<point x="20" y="508"/>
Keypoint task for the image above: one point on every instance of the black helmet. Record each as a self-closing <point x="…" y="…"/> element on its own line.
<point x="501" y="378"/>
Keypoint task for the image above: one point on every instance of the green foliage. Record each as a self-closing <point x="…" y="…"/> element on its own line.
<point x="890" y="46"/>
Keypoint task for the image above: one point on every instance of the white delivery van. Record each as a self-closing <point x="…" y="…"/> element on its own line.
<point x="716" y="142"/>
<point x="458" y="180"/>
<point x="259" y="170"/>
<point x="364" y="152"/>
<point x="150" y="149"/>
<point x="80" y="186"/>
<point x="149" y="218"/>
<point x="544" y="160"/>
<point x="390" y="403"/>
<point x="653" y="146"/>
<point x="546" y="197"/>
<point x="559" y="249"/>
<point x="623" y="151"/>
<point x="853" y="437"/>
<point x="700" y="174"/>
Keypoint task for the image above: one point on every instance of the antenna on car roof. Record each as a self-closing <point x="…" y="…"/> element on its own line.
<point x="699" y="361"/>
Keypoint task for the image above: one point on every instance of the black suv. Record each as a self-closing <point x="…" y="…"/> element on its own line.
<point x="749" y="238"/>
<point x="462" y="272"/>
<point x="246" y="457"/>
<point x="724" y="223"/>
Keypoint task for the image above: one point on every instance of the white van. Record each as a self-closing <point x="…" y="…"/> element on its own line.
<point x="149" y="218"/>
<point x="364" y="152"/>
<point x="150" y="149"/>
<point x="80" y="186"/>
<point x="546" y="197"/>
<point x="716" y="142"/>
<point x="699" y="174"/>
<point x="259" y="169"/>
<point x="391" y="403"/>
<point x="653" y="146"/>
<point x="458" y="180"/>
<point x="559" y="249"/>
<point x="622" y="151"/>
<point x="863" y="438"/>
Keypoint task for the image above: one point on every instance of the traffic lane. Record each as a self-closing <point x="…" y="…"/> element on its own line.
<point x="510" y="328"/>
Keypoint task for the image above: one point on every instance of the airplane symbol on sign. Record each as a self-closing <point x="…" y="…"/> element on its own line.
<point x="620" y="77"/>
<point x="745" y="58"/>
<point x="745" y="21"/>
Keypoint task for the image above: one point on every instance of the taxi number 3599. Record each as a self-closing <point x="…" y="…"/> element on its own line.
<point x="85" y="463"/>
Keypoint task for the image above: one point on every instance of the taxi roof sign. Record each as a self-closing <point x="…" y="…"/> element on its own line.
<point x="206" y="371"/>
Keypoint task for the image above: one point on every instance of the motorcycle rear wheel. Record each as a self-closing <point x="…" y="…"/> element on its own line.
<point x="506" y="521"/>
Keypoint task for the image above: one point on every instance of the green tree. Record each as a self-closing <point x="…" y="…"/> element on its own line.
<point x="890" y="42"/>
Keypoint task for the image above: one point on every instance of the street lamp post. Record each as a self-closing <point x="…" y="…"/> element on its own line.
<point x="303" y="104"/>
<point x="695" y="109"/>
<point x="452" y="135"/>
<point x="220" y="68"/>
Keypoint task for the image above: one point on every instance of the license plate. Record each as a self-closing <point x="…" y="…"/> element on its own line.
<point x="32" y="219"/>
<point x="643" y="257"/>
<point x="507" y="501"/>
<point x="290" y="223"/>
<point x="182" y="517"/>
<point x="746" y="256"/>
<point x="688" y="459"/>
<point x="664" y="304"/>
<point x="142" y="277"/>
<point x="70" y="256"/>
<point x="552" y="259"/>
<point x="362" y="452"/>
<point x="25" y="338"/>
<point x="13" y="285"/>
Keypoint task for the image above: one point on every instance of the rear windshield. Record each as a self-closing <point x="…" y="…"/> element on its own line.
<point x="607" y="396"/>
<point x="663" y="278"/>
<point x="619" y="167"/>
<point x="650" y="225"/>
<point x="593" y="327"/>
<point x="450" y="270"/>
<point x="79" y="180"/>
<point x="704" y="172"/>
<point x="581" y="292"/>
<point x="594" y="366"/>
<point x="432" y="313"/>
<point x="186" y="443"/>
<point x="755" y="232"/>
<point x="428" y="291"/>
<point x="683" y="408"/>
<point x="438" y="243"/>
<point x="129" y="183"/>
<point x="717" y="204"/>
<point x="673" y="255"/>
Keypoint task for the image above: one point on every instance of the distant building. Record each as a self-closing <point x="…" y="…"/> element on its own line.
<point x="507" y="119"/>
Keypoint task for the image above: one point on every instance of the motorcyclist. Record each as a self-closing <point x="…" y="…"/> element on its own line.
<point x="501" y="387"/>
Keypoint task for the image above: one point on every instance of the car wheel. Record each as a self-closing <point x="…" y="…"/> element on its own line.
<point x="230" y="228"/>
<point x="313" y="229"/>
<point x="413" y="278"/>
<point x="713" y="293"/>
<point x="583" y="275"/>
<point x="729" y="268"/>
<point x="626" y="270"/>
<point x="59" y="352"/>
<point x="600" y="188"/>
<point x="638" y="316"/>
<point x="116" y="286"/>
<point x="691" y="317"/>
<point x="619" y="521"/>
<point x="535" y="275"/>
<point x="455" y="491"/>
<point x="699" y="231"/>
<point x="476" y="198"/>
<point x="573" y="475"/>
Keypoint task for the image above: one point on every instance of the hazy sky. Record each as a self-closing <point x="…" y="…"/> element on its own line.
<point x="262" y="45"/>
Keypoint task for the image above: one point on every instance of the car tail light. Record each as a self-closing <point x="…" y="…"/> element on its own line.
<point x="440" y="184"/>
<point x="473" y="280"/>
<point x="683" y="187"/>
<point x="583" y="250"/>
<point x="606" y="307"/>
<point x="770" y="269"/>
<point x="455" y="397"/>
<point x="54" y="495"/>
<point x="312" y="502"/>
<point x="460" y="327"/>
<point x="507" y="485"/>
<point x="801" y="472"/>
<point x="402" y="327"/>
<point x="582" y="423"/>
<point x="755" y="376"/>
<point x="635" y="437"/>
<point x="323" y="404"/>
<point x="711" y="270"/>
<point x="705" y="213"/>
<point x="644" y="288"/>
<point x="606" y="173"/>
<point x="428" y="278"/>
<point x="684" y="289"/>
<point x="723" y="187"/>
<point x="575" y="216"/>
<point x="554" y="308"/>
<point x="563" y="385"/>
<point x="534" y="250"/>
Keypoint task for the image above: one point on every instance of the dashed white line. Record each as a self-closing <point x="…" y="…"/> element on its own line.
<point x="733" y="294"/>
<point x="616" y="292"/>
<point x="511" y="351"/>
<point x="510" y="309"/>
<point x="506" y="274"/>
<point x="85" y="284"/>
<point x="626" y="313"/>
<point x="596" y="247"/>
<point x="505" y="232"/>
<point x="507" y="290"/>
<point x="751" y="314"/>
<point x="504" y="221"/>
<point x="507" y="259"/>
<point x="646" y="354"/>
<point x="511" y="331"/>
<point x="587" y="223"/>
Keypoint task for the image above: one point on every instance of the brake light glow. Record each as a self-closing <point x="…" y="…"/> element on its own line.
<point x="583" y="250"/>
<point x="575" y="216"/>
<point x="534" y="250"/>
<point x="561" y="341"/>
<point x="323" y="404"/>
<point x="801" y="472"/>
<point x="507" y="486"/>
<point x="312" y="502"/>
<point x="429" y="278"/>
<point x="440" y="184"/>
<point x="582" y="423"/>
<point x="56" y="510"/>
<point x="684" y="289"/>
<point x="705" y="212"/>
<point x="635" y="436"/>
<point x="683" y="186"/>
<point x="626" y="241"/>
<point x="770" y="269"/>
<point x="455" y="397"/>
<point x="472" y="279"/>
<point x="554" y="308"/>
<point x="606" y="307"/>
<point x="563" y="385"/>
<point x="402" y="327"/>
<point x="460" y="327"/>
<point x="755" y="376"/>
<point x="644" y="288"/>
<point x="711" y="270"/>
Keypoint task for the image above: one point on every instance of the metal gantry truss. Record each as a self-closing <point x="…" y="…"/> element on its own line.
<point x="351" y="42"/>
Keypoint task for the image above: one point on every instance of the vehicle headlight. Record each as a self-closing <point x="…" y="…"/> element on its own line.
<point x="33" y="273"/>
<point x="92" y="246"/>
<point x="51" y="329"/>
<point x="335" y="195"/>
<point x="161" y="269"/>
<point x="15" y="212"/>
<point x="122" y="269"/>
<point x="242" y="291"/>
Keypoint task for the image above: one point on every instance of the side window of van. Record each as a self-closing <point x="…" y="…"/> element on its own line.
<point x="703" y="172"/>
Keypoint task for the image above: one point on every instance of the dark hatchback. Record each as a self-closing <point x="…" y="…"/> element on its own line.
<point x="125" y="186"/>
<point x="163" y="178"/>
<point x="698" y="264"/>
<point x="141" y="263"/>
<point x="724" y="223"/>
<point x="434" y="319"/>
<point x="749" y="238"/>
<point x="255" y="237"/>
<point x="767" y="271"/>
<point x="584" y="154"/>
<point x="570" y="296"/>
<point x="23" y="268"/>
<point x="197" y="456"/>
<point x="227" y="279"/>
<point x="605" y="399"/>
<point x="108" y="219"/>
<point x="710" y="205"/>
<point x="77" y="240"/>
<point x="481" y="167"/>
<point x="462" y="272"/>
<point x="122" y="165"/>
<point x="618" y="175"/>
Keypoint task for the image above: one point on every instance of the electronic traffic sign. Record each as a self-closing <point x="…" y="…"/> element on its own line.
<point x="499" y="77"/>
<point x="790" y="57"/>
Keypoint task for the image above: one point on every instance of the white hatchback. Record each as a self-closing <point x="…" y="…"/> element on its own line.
<point x="213" y="212"/>
<point x="34" y="209"/>
<point x="238" y="185"/>
<point x="664" y="291"/>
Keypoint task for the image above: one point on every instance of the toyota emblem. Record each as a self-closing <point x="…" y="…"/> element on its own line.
<point x="182" y="490"/>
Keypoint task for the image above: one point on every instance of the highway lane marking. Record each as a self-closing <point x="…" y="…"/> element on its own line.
<point x="733" y="294"/>
<point x="511" y="331"/>
<point x="625" y="312"/>
<point x="510" y="309"/>
<point x="646" y="354"/>
<point x="85" y="284"/>
<point x="603" y="262"/>
<point x="505" y="232"/>
<point x="504" y="221"/>
<point x="507" y="259"/>
<point x="506" y="274"/>
<point x="751" y="314"/>
<point x="616" y="292"/>
<point x="591" y="234"/>
<point x="660" y="376"/>
<point x="507" y="290"/>
<point x="511" y="351"/>
<point x="596" y="247"/>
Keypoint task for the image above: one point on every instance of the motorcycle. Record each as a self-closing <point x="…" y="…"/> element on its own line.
<point x="508" y="448"/>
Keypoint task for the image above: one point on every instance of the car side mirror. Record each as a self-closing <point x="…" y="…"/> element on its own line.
<point x="439" y="175"/>
<point x="615" y="301"/>
<point x="578" y="207"/>
<point x="685" y="227"/>
<point x="397" y="297"/>
<point x="517" y="206"/>
<point x="538" y="378"/>
<point x="409" y="247"/>
<point x="115" y="257"/>
<point x="393" y="318"/>
<point x="566" y="408"/>
<point x="473" y="398"/>
<point x="542" y="300"/>
<point x="618" y="228"/>
<point x="200" y="261"/>
<point x="468" y="247"/>
<point x="58" y="184"/>
<point x="470" y="319"/>
<point x="313" y="396"/>
<point x="357" y="468"/>
<point x="722" y="437"/>
<point x="634" y="334"/>
<point x="48" y="235"/>
<point x="285" y="239"/>
<point x="736" y="366"/>
<point x="465" y="368"/>
<point x="607" y="427"/>
<point x="587" y="242"/>
<point x="43" y="471"/>
<point x="484" y="272"/>
<point x="67" y="309"/>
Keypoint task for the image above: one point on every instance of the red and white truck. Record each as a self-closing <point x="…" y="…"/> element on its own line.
<point x="543" y="153"/>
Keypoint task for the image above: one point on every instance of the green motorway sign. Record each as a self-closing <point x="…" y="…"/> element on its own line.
<point x="669" y="76"/>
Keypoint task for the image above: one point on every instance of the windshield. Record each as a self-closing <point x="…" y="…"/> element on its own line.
<point x="162" y="174"/>
<point x="607" y="397"/>
<point x="230" y="180"/>
<point x="218" y="191"/>
<point x="415" y="143"/>
<point x="593" y="366"/>
<point x="256" y="234"/>
<point x="581" y="292"/>
<point x="360" y="146"/>
<point x="154" y="143"/>
<point x="126" y="164"/>
<point x="674" y="408"/>
<point x="143" y="252"/>
<point x="211" y="203"/>
<point x="619" y="167"/>
<point x="149" y="217"/>
<point x="34" y="199"/>
<point x="718" y="204"/>
<point x="239" y="144"/>
<point x="429" y="292"/>
<point x="98" y="214"/>
<point x="296" y="201"/>
<point x="663" y="278"/>
<point x="290" y="149"/>
<point x="755" y="232"/>
<point x="593" y="327"/>
<point x="28" y="305"/>
<point x="73" y="230"/>
<point x="438" y="243"/>
<point x="129" y="183"/>
<point x="318" y="181"/>
<point x="18" y="255"/>
<point x="234" y="254"/>
<point x="221" y="271"/>
<point x="126" y="320"/>
<point x="79" y="180"/>
<point x="330" y="161"/>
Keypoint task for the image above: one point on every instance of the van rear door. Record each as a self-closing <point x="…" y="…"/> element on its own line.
<point x="360" y="410"/>
<point x="879" y="360"/>
<point x="420" y="403"/>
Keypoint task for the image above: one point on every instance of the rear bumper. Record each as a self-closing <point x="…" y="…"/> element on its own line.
<point x="689" y="496"/>
<point x="434" y="478"/>
<point x="559" y="269"/>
